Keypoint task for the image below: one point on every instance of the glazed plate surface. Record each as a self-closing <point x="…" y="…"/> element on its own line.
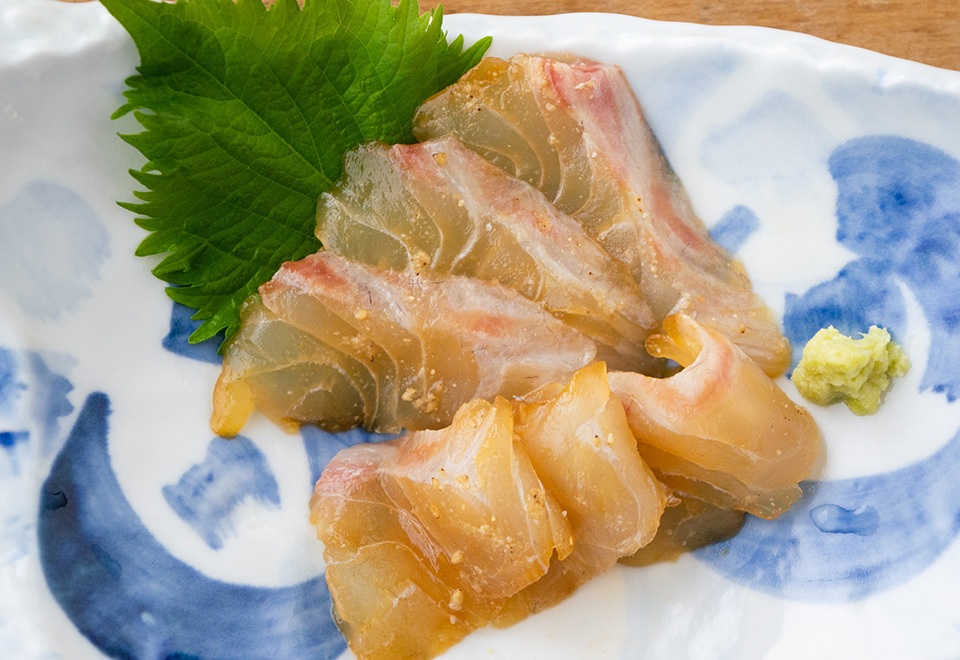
<point x="128" y="530"/>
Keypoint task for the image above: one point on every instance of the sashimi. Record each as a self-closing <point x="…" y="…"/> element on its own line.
<point x="437" y="205"/>
<point x="500" y="515"/>
<point x="400" y="349"/>
<point x="720" y="429"/>
<point x="574" y="129"/>
<point x="425" y="536"/>
<point x="290" y="375"/>
<point x="582" y="448"/>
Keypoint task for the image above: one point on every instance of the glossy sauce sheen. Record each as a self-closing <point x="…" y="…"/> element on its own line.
<point x="574" y="130"/>
<point x="719" y="430"/>
<point x="538" y="230"/>
<point x="440" y="532"/>
<point x="340" y="344"/>
<point x="440" y="206"/>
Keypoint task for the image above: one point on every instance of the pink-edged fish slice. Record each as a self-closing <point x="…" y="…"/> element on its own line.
<point x="720" y="430"/>
<point x="614" y="179"/>
<point x="430" y="342"/>
<point x="438" y="205"/>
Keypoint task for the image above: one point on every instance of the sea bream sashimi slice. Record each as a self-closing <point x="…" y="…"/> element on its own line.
<point x="415" y="346"/>
<point x="440" y="206"/>
<point x="425" y="536"/>
<point x="290" y="375"/>
<point x="390" y="597"/>
<point x="574" y="129"/>
<point x="720" y="429"/>
<point x="584" y="452"/>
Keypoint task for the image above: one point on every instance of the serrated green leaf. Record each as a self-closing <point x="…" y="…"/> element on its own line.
<point x="247" y="112"/>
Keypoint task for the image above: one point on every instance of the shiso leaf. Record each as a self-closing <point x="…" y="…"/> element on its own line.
<point x="247" y="111"/>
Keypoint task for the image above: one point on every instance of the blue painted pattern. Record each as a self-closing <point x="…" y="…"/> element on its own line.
<point x="8" y="442"/>
<point x="177" y="339"/>
<point x="672" y="91"/>
<point x="132" y="599"/>
<point x="863" y="293"/>
<point x="735" y="227"/>
<point x="899" y="202"/>
<point x="206" y="496"/>
<point x="898" y="209"/>
<point x="33" y="399"/>
<point x="10" y="385"/>
<point x="48" y="399"/>
<point x="52" y="248"/>
<point x="32" y="395"/>
<point x="774" y="144"/>
<point x="849" y="538"/>
<point x="8" y="439"/>
<point x="833" y="519"/>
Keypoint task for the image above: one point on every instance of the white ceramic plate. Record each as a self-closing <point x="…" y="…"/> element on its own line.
<point x="127" y="530"/>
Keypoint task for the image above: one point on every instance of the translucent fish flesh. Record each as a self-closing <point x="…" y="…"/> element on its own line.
<point x="502" y="514"/>
<point x="425" y="536"/>
<point x="574" y="130"/>
<point x="582" y="448"/>
<point x="338" y="343"/>
<point x="720" y="429"/>
<point x="440" y="206"/>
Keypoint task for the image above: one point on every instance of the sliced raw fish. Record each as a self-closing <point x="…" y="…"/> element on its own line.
<point x="289" y="374"/>
<point x="574" y="129"/>
<point x="425" y="536"/>
<point x="502" y="514"/>
<point x="720" y="429"/>
<point x="440" y="206"/>
<point x="399" y="349"/>
<point x="583" y="450"/>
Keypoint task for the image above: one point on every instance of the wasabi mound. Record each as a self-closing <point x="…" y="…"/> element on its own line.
<point x="835" y="368"/>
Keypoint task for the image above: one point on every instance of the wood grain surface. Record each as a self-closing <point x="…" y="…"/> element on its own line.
<point x="926" y="31"/>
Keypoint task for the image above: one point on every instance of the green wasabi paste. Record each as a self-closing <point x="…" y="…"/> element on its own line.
<point x="856" y="371"/>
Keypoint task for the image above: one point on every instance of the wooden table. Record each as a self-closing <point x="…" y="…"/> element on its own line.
<point x="927" y="31"/>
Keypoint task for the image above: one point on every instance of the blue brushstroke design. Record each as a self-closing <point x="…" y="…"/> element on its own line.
<point x="132" y="599"/>
<point x="34" y="398"/>
<point x="670" y="91"/>
<point x="881" y="530"/>
<point x="870" y="107"/>
<point x="778" y="142"/>
<point x="52" y="248"/>
<point x="863" y="293"/>
<point x="177" y="339"/>
<point x="899" y="203"/>
<point x="322" y="446"/>
<point x="208" y="493"/>
<point x="9" y="439"/>
<point x="10" y="385"/>
<point x="32" y="401"/>
<point x="898" y="210"/>
<point x="735" y="227"/>
<point x="28" y="371"/>
<point x="48" y="399"/>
